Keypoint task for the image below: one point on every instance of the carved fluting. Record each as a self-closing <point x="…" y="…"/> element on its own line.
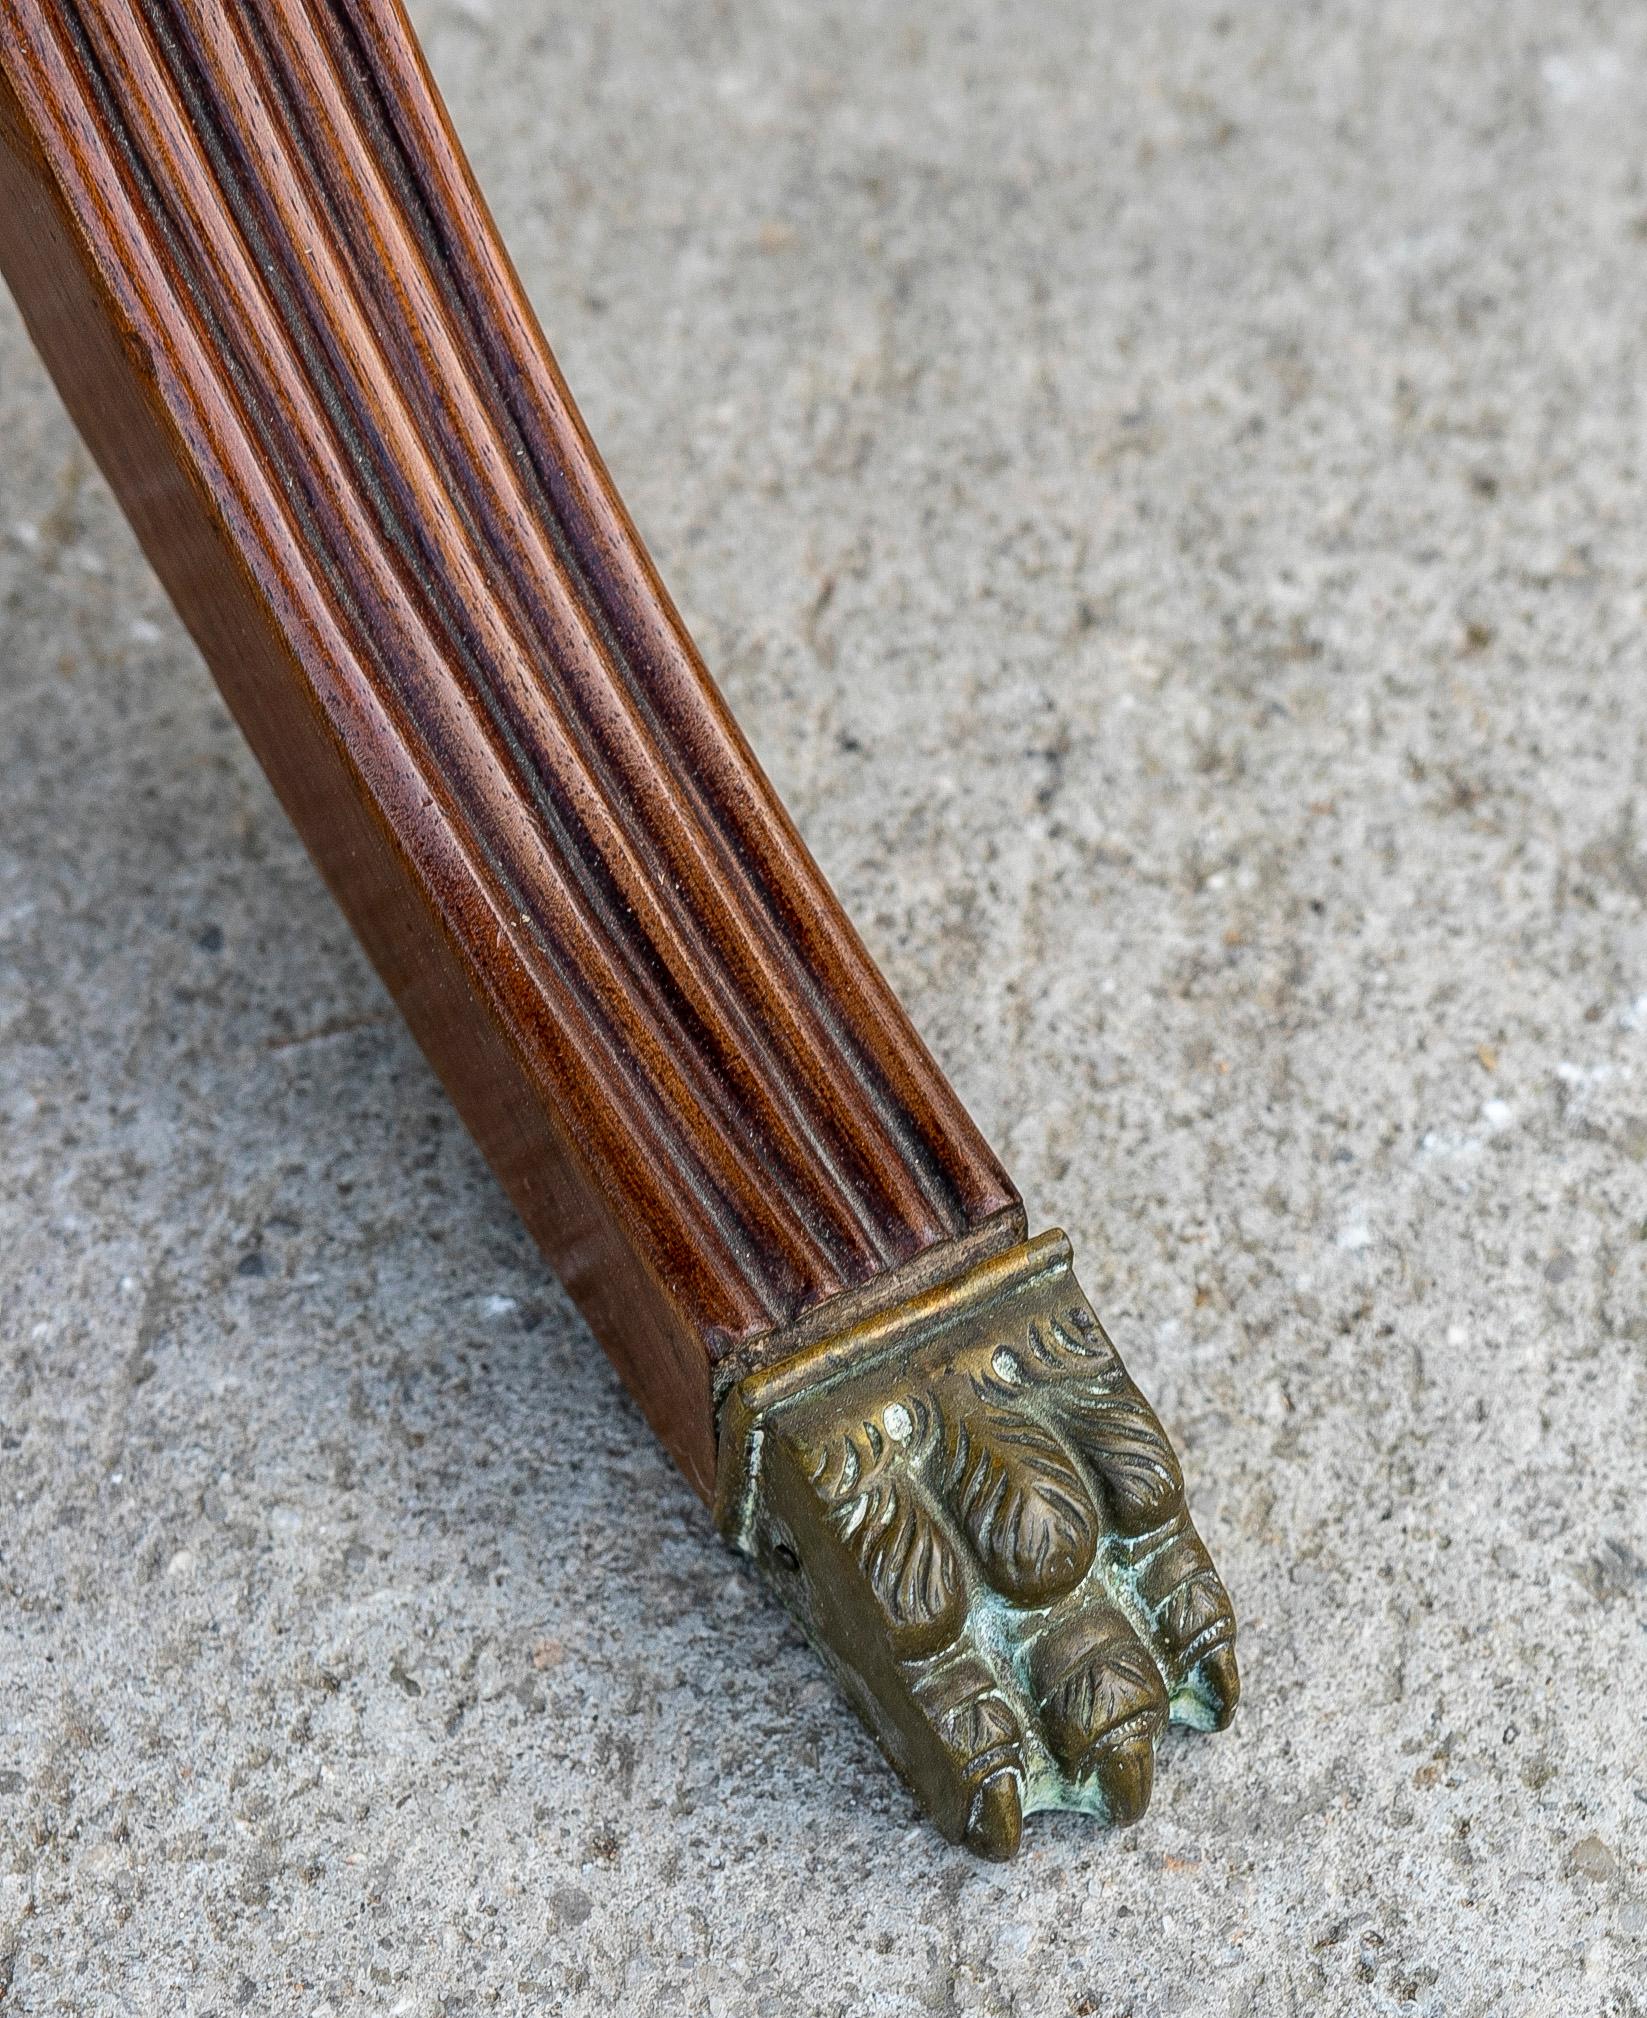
<point x="979" y="1519"/>
<point x="326" y="403"/>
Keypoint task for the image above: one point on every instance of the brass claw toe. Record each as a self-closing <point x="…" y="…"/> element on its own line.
<point x="1124" y="1773"/>
<point x="1103" y="1704"/>
<point x="1207" y="1697"/>
<point x="995" y="1821"/>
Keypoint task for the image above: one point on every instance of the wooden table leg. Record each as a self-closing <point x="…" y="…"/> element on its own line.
<point x="256" y="263"/>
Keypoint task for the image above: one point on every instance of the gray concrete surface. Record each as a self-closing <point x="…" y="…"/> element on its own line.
<point x="1164" y="490"/>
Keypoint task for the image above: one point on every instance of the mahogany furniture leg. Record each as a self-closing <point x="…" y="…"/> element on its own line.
<point x="255" y="261"/>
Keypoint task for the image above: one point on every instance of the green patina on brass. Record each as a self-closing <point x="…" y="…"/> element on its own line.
<point x="979" y="1521"/>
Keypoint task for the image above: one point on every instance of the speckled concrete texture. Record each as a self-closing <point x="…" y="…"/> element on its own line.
<point x="1163" y="489"/>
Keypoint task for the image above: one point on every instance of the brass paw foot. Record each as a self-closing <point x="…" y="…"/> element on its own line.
<point x="980" y="1523"/>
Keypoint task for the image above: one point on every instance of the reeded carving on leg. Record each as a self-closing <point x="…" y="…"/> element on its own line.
<point x="980" y="1522"/>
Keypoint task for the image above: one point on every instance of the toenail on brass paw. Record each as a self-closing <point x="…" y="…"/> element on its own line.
<point x="979" y="1521"/>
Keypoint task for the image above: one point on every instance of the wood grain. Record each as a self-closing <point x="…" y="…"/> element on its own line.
<point x="250" y="250"/>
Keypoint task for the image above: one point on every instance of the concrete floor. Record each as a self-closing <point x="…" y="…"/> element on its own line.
<point x="1164" y="491"/>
